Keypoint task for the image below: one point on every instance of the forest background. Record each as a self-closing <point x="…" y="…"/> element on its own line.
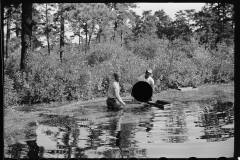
<point x="41" y="64"/>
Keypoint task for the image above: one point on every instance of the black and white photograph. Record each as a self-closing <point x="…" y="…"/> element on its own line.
<point x="118" y="80"/>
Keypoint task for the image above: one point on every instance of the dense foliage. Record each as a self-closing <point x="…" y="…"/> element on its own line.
<point x="115" y="39"/>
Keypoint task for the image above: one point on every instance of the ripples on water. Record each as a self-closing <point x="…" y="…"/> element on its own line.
<point x="130" y="133"/>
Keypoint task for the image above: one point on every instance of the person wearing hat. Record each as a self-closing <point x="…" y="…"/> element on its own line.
<point x="147" y="78"/>
<point x="114" y="101"/>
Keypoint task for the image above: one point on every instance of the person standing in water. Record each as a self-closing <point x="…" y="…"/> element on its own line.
<point x="114" y="101"/>
<point x="147" y="78"/>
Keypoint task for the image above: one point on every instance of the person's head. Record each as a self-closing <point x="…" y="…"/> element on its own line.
<point x="148" y="73"/>
<point x="117" y="76"/>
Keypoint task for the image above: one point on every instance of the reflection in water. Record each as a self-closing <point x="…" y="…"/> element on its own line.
<point x="124" y="145"/>
<point x="33" y="149"/>
<point x="17" y="151"/>
<point x="117" y="136"/>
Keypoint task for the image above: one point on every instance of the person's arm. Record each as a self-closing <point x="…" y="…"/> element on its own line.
<point x="153" y="87"/>
<point x="116" y="92"/>
<point x="152" y="84"/>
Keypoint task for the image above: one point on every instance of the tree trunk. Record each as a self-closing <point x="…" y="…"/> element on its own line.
<point x="115" y="30"/>
<point x="219" y="23"/>
<point x="115" y="23"/>
<point x="90" y="35"/>
<point x="17" y="29"/>
<point x="233" y="17"/>
<point x="61" y="34"/>
<point x="8" y="32"/>
<point x="86" y="38"/>
<point x="89" y="40"/>
<point x="79" y="35"/>
<point x="121" y="38"/>
<point x="26" y="34"/>
<point x="47" y="31"/>
<point x="26" y="39"/>
<point x="99" y="36"/>
<point x="224" y="17"/>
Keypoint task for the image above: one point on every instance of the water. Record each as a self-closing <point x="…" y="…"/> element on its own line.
<point x="183" y="130"/>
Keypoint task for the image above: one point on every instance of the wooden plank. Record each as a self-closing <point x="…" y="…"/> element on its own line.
<point x="160" y="106"/>
<point x="151" y="103"/>
<point x="162" y="102"/>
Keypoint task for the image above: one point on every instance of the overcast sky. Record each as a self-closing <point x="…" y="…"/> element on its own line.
<point x="169" y="8"/>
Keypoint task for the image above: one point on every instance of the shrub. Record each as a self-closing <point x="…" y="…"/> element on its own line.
<point x="145" y="48"/>
<point x="10" y="94"/>
<point x="51" y="80"/>
<point x="84" y="76"/>
<point x="14" y="44"/>
<point x="224" y="63"/>
<point x="131" y="66"/>
<point x="182" y="64"/>
<point x="97" y="57"/>
<point x="80" y="87"/>
<point x="160" y="77"/>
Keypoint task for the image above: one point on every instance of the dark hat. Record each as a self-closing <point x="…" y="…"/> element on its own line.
<point x="117" y="75"/>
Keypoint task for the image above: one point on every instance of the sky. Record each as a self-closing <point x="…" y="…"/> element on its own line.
<point x="169" y="8"/>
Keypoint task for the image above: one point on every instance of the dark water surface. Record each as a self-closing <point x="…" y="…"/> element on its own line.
<point x="199" y="129"/>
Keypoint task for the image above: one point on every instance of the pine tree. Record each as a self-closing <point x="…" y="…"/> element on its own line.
<point x="163" y="24"/>
<point x="26" y="34"/>
<point x="11" y="16"/>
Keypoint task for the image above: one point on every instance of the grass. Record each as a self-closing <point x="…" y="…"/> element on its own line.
<point x="225" y="91"/>
<point x="19" y="121"/>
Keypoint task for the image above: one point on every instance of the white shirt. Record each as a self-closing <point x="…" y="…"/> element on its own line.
<point x="113" y="85"/>
<point x="149" y="80"/>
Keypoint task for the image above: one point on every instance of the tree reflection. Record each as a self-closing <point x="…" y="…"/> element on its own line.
<point x="33" y="149"/>
<point x="69" y="137"/>
<point x="65" y="139"/>
<point x="216" y="114"/>
<point x="122" y="148"/>
<point x="176" y="125"/>
<point x="15" y="150"/>
<point x="79" y="153"/>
